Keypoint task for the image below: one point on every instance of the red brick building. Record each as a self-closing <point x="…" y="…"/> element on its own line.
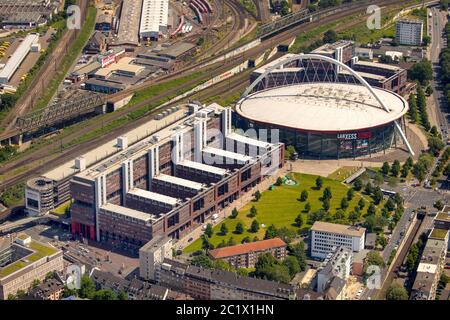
<point x="246" y="255"/>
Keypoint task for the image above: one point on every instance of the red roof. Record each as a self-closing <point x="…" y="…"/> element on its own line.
<point x="246" y="248"/>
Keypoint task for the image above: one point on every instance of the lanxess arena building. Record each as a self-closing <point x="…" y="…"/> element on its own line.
<point x="324" y="109"/>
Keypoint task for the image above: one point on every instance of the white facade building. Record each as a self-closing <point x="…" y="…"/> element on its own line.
<point x="152" y="253"/>
<point x="154" y="18"/>
<point x="409" y="32"/>
<point x="326" y="236"/>
<point x="17" y="57"/>
<point x="338" y="264"/>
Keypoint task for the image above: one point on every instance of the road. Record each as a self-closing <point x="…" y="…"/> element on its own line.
<point x="436" y="25"/>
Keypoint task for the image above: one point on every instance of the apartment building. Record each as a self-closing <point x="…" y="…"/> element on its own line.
<point x="337" y="264"/>
<point x="326" y="236"/>
<point x="246" y="255"/>
<point x="171" y="182"/>
<point x="409" y="32"/>
<point x="209" y="284"/>
<point x="25" y="260"/>
<point x="431" y="265"/>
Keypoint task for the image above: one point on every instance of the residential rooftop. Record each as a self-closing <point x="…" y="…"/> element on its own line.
<point x="247" y="248"/>
<point x="438" y="233"/>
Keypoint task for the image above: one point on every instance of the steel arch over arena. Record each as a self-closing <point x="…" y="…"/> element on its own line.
<point x="324" y="108"/>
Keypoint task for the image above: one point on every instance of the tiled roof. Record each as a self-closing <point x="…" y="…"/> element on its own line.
<point x="246" y="248"/>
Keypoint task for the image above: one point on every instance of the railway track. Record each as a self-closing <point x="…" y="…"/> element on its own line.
<point x="216" y="69"/>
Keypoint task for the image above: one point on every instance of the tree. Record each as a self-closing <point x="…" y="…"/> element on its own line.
<point x="279" y="181"/>
<point x="202" y="260"/>
<point x="396" y="292"/>
<point x="412" y="112"/>
<point x="439" y="205"/>
<point x="69" y="292"/>
<point x="206" y="244"/>
<point x="292" y="264"/>
<point x="105" y="294"/>
<point x="246" y="240"/>
<point x="385" y="168"/>
<point x="257" y="195"/>
<point x="307" y="207"/>
<point x="379" y="179"/>
<point x="35" y="283"/>
<point x="390" y="205"/>
<point x="319" y="183"/>
<point x="340" y="213"/>
<point x="361" y="203"/>
<point x="330" y="36"/>
<point x="304" y="196"/>
<point x="421" y="71"/>
<point x="231" y="242"/>
<point x="298" y="251"/>
<point x="239" y="228"/>
<point x="234" y="213"/>
<point x="122" y="295"/>
<point x="353" y="217"/>
<point x="299" y="221"/>
<point x="209" y="230"/>
<point x="271" y="232"/>
<point x="405" y="171"/>
<point x="371" y="210"/>
<point x="87" y="287"/>
<point x="254" y="228"/>
<point x="326" y="204"/>
<point x="223" y="229"/>
<point x="435" y="145"/>
<point x="285" y="8"/>
<point x="253" y="212"/>
<point x="368" y="189"/>
<point x="350" y="194"/>
<point x="327" y="195"/>
<point x="344" y="203"/>
<point x="374" y="258"/>
<point x="357" y="185"/>
<point x="395" y="170"/>
<point x="377" y="195"/>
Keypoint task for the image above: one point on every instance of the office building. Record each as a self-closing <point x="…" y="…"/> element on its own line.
<point x="409" y="32"/>
<point x="325" y="236"/>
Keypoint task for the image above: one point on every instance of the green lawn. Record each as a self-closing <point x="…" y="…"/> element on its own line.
<point x="280" y="207"/>
<point x="343" y="173"/>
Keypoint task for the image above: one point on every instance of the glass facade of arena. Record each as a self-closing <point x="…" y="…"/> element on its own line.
<point x="351" y="144"/>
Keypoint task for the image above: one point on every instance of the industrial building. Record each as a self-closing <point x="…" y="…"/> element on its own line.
<point x="154" y="18"/>
<point x="409" y="32"/>
<point x="168" y="184"/>
<point x="23" y="261"/>
<point x="128" y="21"/>
<point x="325" y="237"/>
<point x="17" y="57"/>
<point x="323" y="113"/>
<point x="27" y="14"/>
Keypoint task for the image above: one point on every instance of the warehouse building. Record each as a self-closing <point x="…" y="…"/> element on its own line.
<point x="154" y="18"/>
<point x="17" y="57"/>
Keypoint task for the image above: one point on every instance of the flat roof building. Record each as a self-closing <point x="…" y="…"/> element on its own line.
<point x="17" y="57"/>
<point x="409" y="32"/>
<point x="326" y="236"/>
<point x="25" y="260"/>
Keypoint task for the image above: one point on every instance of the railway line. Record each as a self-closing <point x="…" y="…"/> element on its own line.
<point x="211" y="71"/>
<point x="44" y="76"/>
